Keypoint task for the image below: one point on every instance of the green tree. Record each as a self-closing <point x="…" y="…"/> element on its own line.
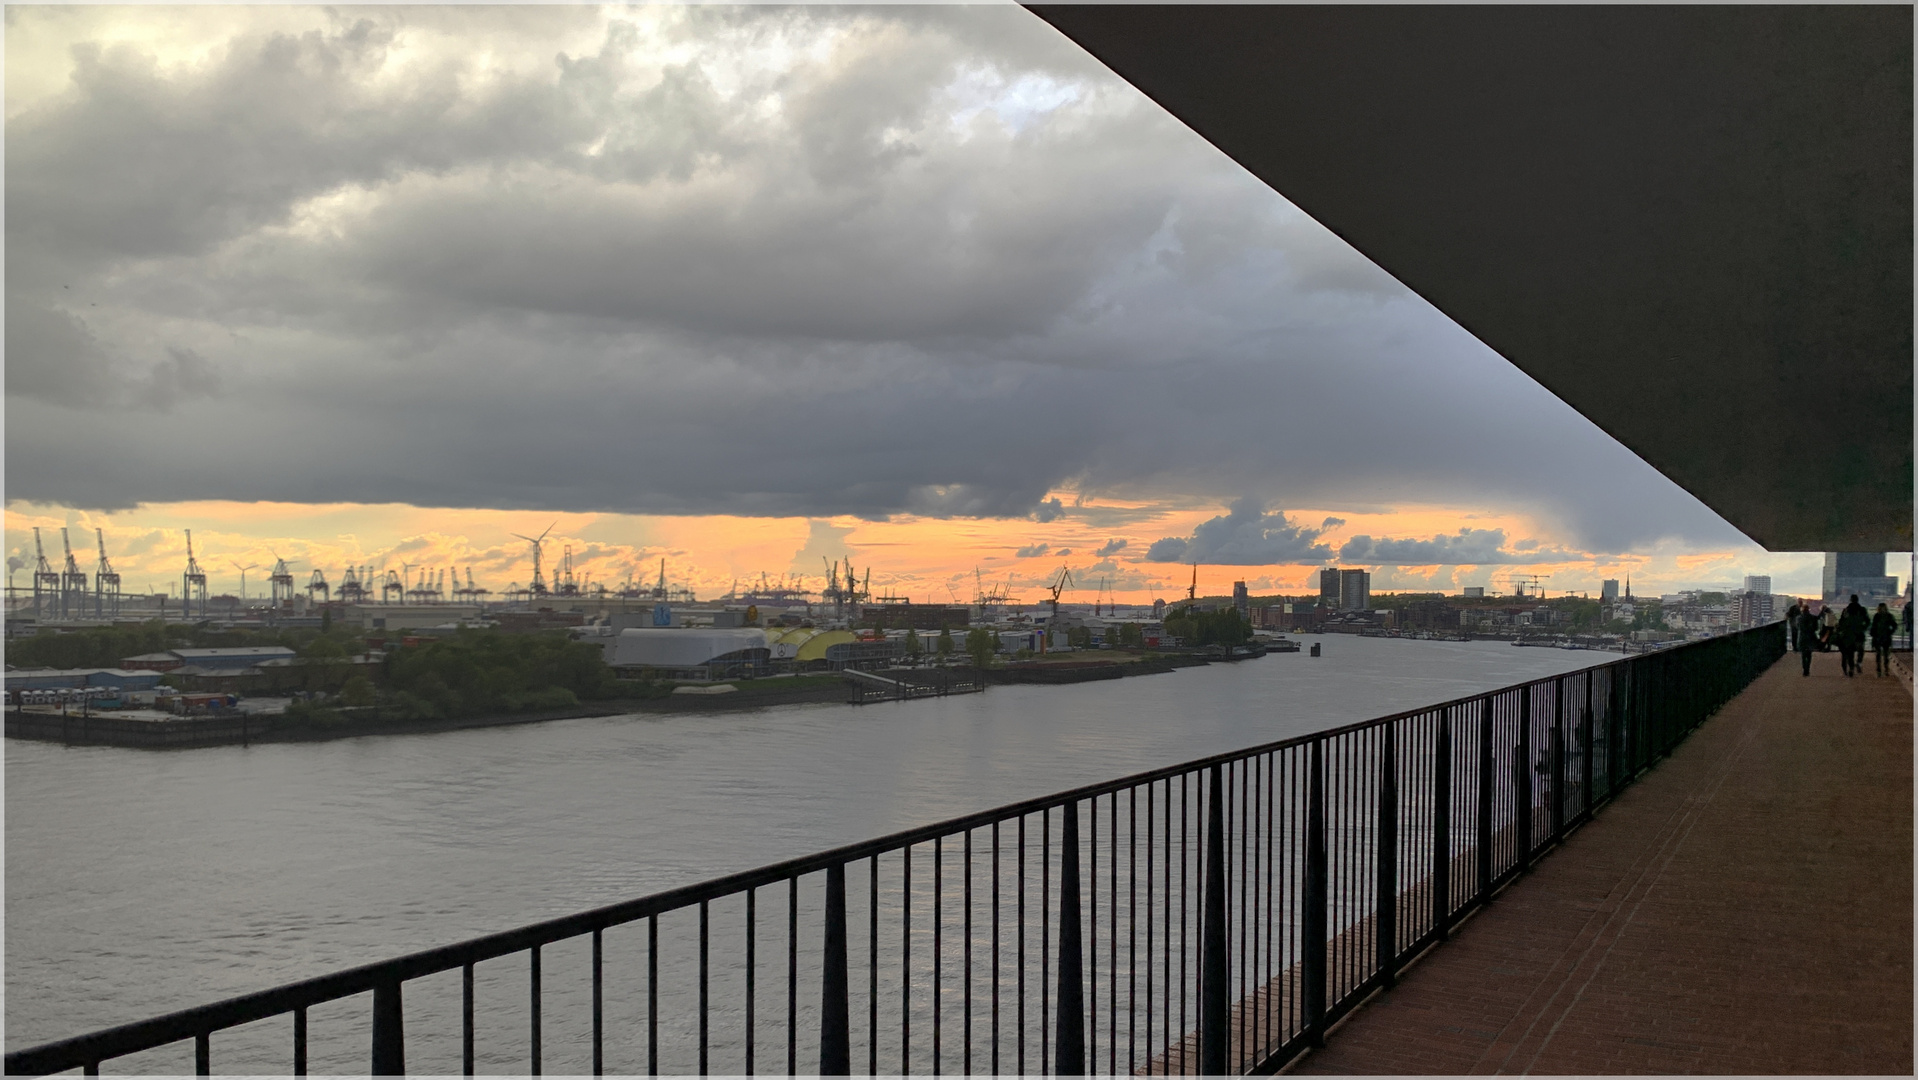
<point x="358" y="692"/>
<point x="913" y="648"/>
<point x="943" y="646"/>
<point x="326" y="620"/>
<point x="980" y="645"/>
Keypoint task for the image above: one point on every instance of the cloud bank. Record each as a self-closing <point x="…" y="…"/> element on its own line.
<point x="690" y="260"/>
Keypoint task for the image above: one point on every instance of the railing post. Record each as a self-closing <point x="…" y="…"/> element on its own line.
<point x="1585" y="763"/>
<point x="1558" y="759"/>
<point x="1442" y="828"/>
<point x="1313" y="916"/>
<point x="1485" y="780"/>
<point x="1069" y="1050"/>
<point x="1614" y="728"/>
<point x="1386" y="925"/>
<point x="1522" y="779"/>
<point x="835" y="1020"/>
<point x="1215" y="959"/>
<point x="389" y="1045"/>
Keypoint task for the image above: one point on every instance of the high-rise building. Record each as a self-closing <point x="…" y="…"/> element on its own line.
<point x="1475" y="592"/>
<point x="1241" y="600"/>
<point x="1758" y="583"/>
<point x="1329" y="587"/>
<point x="1860" y="573"/>
<point x="1608" y="590"/>
<point x="1754" y="608"/>
<point x="1355" y="590"/>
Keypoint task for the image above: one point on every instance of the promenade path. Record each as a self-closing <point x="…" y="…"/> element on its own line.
<point x="1746" y="907"/>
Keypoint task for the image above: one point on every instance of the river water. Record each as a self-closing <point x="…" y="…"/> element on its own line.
<point x="139" y="882"/>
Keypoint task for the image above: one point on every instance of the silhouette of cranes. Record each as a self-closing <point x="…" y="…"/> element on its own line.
<point x="282" y="581"/>
<point x="192" y="582"/>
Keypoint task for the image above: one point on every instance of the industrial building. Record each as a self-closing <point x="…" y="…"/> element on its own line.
<point x="236" y="659"/>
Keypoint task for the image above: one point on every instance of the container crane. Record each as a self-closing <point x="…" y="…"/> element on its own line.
<point x="193" y="582"/>
<point x="46" y="581"/>
<point x="73" y="583"/>
<point x="282" y="581"/>
<point x="106" y="581"/>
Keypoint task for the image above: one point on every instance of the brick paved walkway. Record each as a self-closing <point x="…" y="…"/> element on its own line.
<point x="1746" y="907"/>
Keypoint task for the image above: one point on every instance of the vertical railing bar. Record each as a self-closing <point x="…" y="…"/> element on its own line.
<point x="1069" y="1040"/>
<point x="1092" y="956"/>
<point x="1045" y="942"/>
<point x="1132" y="931"/>
<point x="299" y="1044"/>
<point x="533" y="1006"/>
<point x="1019" y="967"/>
<point x="1112" y="936"/>
<point x="203" y="1054"/>
<point x="938" y="951"/>
<point x="792" y="974"/>
<point x="752" y="969"/>
<point x="1151" y="788"/>
<point x="1215" y="978"/>
<point x="466" y="1019"/>
<point x="1238" y="819"/>
<point x="872" y="969"/>
<point x="997" y="960"/>
<point x="1185" y="893"/>
<point x="905" y="961"/>
<point x="389" y="1043"/>
<point x="705" y="939"/>
<point x="835" y="1020"/>
<point x="966" y="1040"/>
<point x="652" y="995"/>
<point x="599" y="1013"/>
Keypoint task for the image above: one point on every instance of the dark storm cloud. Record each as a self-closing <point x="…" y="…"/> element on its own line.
<point x="1244" y="536"/>
<point x="1467" y="547"/>
<point x="819" y="262"/>
<point x="1111" y="547"/>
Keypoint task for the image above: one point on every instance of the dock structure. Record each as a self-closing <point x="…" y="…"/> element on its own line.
<point x="1744" y="908"/>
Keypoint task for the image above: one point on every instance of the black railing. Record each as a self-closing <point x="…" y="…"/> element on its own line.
<point x="1212" y="917"/>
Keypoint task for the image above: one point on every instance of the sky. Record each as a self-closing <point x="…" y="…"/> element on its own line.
<point x="743" y="289"/>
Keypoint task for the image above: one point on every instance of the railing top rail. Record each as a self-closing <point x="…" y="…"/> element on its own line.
<point x="260" y="1005"/>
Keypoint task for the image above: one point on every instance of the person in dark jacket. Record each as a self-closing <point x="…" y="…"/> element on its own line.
<point x="1807" y="637"/>
<point x="1791" y="624"/>
<point x="1884" y="626"/>
<point x="1852" y="626"/>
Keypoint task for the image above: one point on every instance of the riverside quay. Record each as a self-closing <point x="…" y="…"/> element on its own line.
<point x="1691" y="860"/>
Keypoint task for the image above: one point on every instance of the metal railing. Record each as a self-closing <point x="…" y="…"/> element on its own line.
<point x="1211" y="917"/>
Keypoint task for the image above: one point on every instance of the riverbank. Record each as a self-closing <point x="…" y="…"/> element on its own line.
<point x="155" y="731"/>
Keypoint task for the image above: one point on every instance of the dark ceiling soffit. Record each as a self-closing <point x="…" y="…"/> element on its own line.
<point x="1693" y="224"/>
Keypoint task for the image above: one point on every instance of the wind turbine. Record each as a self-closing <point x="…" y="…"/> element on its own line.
<point x="243" y="570"/>
<point x="539" y="582"/>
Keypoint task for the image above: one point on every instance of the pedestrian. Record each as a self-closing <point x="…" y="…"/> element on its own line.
<point x="1791" y="623"/>
<point x="1807" y="636"/>
<point x="1883" y="626"/>
<point x="1827" y="627"/>
<point x="1852" y="627"/>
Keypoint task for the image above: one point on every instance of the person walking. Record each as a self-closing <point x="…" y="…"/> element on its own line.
<point x="1827" y="628"/>
<point x="1807" y="636"/>
<point x="1791" y="623"/>
<point x="1884" y="625"/>
<point x="1852" y="626"/>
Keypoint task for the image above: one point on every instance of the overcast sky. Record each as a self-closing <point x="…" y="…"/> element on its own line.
<point x="813" y="264"/>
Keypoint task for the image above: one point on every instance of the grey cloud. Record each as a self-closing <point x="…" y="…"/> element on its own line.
<point x="1243" y="536"/>
<point x="1331" y="523"/>
<point x="1063" y="551"/>
<point x="1111" y="547"/>
<point x="505" y="291"/>
<point x="1469" y="547"/>
<point x="1031" y="551"/>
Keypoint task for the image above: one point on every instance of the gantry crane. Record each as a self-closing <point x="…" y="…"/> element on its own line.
<point x="193" y="582"/>
<point x="106" y="582"/>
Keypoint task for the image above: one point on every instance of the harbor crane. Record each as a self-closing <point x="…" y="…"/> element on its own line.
<point x="193" y="582"/>
<point x="1057" y="587"/>
<point x="538" y="588"/>
<point x="46" y="581"/>
<point x="73" y="583"/>
<point x="106" y="582"/>
<point x="1192" y="593"/>
<point x="282" y="581"/>
<point x="317" y="590"/>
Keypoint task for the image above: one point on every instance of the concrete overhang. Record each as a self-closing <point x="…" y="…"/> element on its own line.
<point x="1693" y="224"/>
